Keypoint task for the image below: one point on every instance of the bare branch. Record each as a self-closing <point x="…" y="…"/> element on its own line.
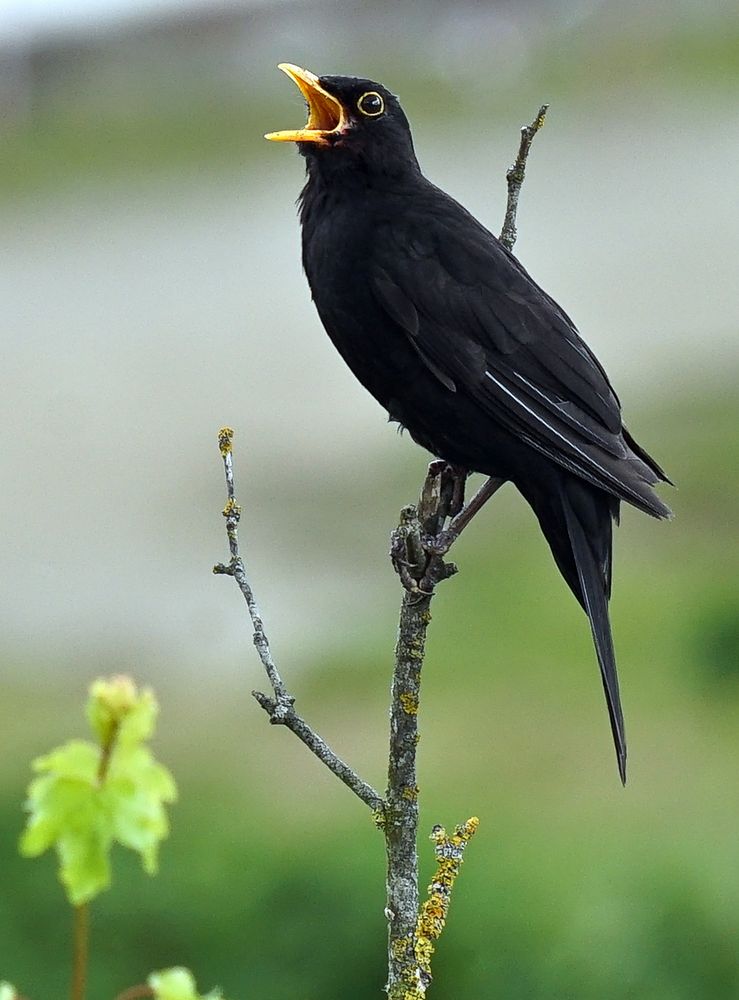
<point x="420" y="567"/>
<point x="280" y="709"/>
<point x="280" y="716"/>
<point x="449" y="851"/>
<point x="515" y="176"/>
<point x="232" y="513"/>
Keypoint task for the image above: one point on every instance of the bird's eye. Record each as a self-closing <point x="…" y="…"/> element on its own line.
<point x="371" y="104"/>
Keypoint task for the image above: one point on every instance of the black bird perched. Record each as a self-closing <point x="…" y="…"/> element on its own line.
<point x="460" y="345"/>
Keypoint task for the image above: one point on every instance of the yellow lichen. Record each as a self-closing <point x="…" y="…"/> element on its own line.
<point x="410" y="792"/>
<point x="379" y="817"/>
<point x="401" y="946"/>
<point x="231" y="508"/>
<point x="432" y="917"/>
<point x="225" y="440"/>
<point x="409" y="702"/>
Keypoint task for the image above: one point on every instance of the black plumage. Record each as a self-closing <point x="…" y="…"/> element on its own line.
<point x="452" y="336"/>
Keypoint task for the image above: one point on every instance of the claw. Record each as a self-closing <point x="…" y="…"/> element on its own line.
<point x="439" y="545"/>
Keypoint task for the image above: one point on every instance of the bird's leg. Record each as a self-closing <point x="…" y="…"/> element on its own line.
<point x="442" y="541"/>
<point x="418" y="567"/>
<point x="421" y="540"/>
<point x="456" y="504"/>
<point x="478" y="501"/>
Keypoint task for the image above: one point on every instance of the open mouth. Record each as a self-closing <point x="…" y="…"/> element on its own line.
<point x="326" y="116"/>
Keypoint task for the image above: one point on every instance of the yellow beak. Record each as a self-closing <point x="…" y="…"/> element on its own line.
<point x="326" y="116"/>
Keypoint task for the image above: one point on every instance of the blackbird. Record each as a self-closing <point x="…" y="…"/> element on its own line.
<point x="447" y="330"/>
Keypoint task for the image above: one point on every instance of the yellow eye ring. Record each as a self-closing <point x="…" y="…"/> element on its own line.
<point x="371" y="104"/>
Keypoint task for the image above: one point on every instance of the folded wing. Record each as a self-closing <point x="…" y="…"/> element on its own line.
<point x="482" y="326"/>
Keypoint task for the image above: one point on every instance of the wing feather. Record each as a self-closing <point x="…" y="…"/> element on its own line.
<point x="482" y="325"/>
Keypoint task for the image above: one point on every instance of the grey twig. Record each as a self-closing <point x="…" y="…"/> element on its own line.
<point x="280" y="708"/>
<point x="515" y="176"/>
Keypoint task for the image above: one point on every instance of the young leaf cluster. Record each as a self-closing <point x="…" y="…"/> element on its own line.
<point x="88" y="796"/>
<point x="178" y="984"/>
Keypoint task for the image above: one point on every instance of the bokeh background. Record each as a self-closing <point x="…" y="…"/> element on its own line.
<point x="151" y="292"/>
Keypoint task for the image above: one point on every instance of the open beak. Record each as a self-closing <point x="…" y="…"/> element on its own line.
<point x="326" y="116"/>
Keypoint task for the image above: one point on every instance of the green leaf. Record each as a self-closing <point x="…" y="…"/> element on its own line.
<point x="178" y="984"/>
<point x="62" y="795"/>
<point x="136" y="790"/>
<point x="76" y="759"/>
<point x="84" y="856"/>
<point x="86" y="797"/>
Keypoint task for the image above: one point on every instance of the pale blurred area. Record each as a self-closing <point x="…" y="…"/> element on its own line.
<point x="152" y="291"/>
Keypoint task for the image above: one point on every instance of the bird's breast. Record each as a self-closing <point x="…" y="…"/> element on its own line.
<point x="338" y="248"/>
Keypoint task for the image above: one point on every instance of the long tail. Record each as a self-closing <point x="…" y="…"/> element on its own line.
<point x="577" y="521"/>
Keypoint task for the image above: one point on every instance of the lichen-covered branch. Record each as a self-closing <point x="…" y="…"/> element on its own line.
<point x="449" y="851"/>
<point x="280" y="708"/>
<point x="515" y="176"/>
<point x="420" y="566"/>
<point x="401" y="814"/>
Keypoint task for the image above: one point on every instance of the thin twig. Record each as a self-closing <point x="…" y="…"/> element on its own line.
<point x="232" y="513"/>
<point x="515" y="176"/>
<point x="449" y="851"/>
<point x="280" y="708"/>
<point x="318" y="746"/>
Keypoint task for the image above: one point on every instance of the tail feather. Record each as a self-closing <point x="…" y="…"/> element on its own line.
<point x="594" y="577"/>
<point x="577" y="521"/>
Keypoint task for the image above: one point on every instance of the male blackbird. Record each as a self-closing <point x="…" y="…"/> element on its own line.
<point x="459" y="344"/>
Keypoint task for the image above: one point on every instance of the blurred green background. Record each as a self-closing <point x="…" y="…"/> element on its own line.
<point x="151" y="292"/>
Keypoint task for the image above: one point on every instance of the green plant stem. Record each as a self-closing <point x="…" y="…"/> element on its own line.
<point x="80" y="946"/>
<point x="136" y="992"/>
<point x="81" y="920"/>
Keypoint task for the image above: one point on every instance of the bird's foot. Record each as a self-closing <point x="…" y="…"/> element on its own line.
<point x="415" y="557"/>
<point x="439" y="544"/>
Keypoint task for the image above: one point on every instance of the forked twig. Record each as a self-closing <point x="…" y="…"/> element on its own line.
<point x="279" y="708"/>
<point x="515" y="176"/>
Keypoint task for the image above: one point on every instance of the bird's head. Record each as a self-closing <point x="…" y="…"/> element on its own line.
<point x="351" y="123"/>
